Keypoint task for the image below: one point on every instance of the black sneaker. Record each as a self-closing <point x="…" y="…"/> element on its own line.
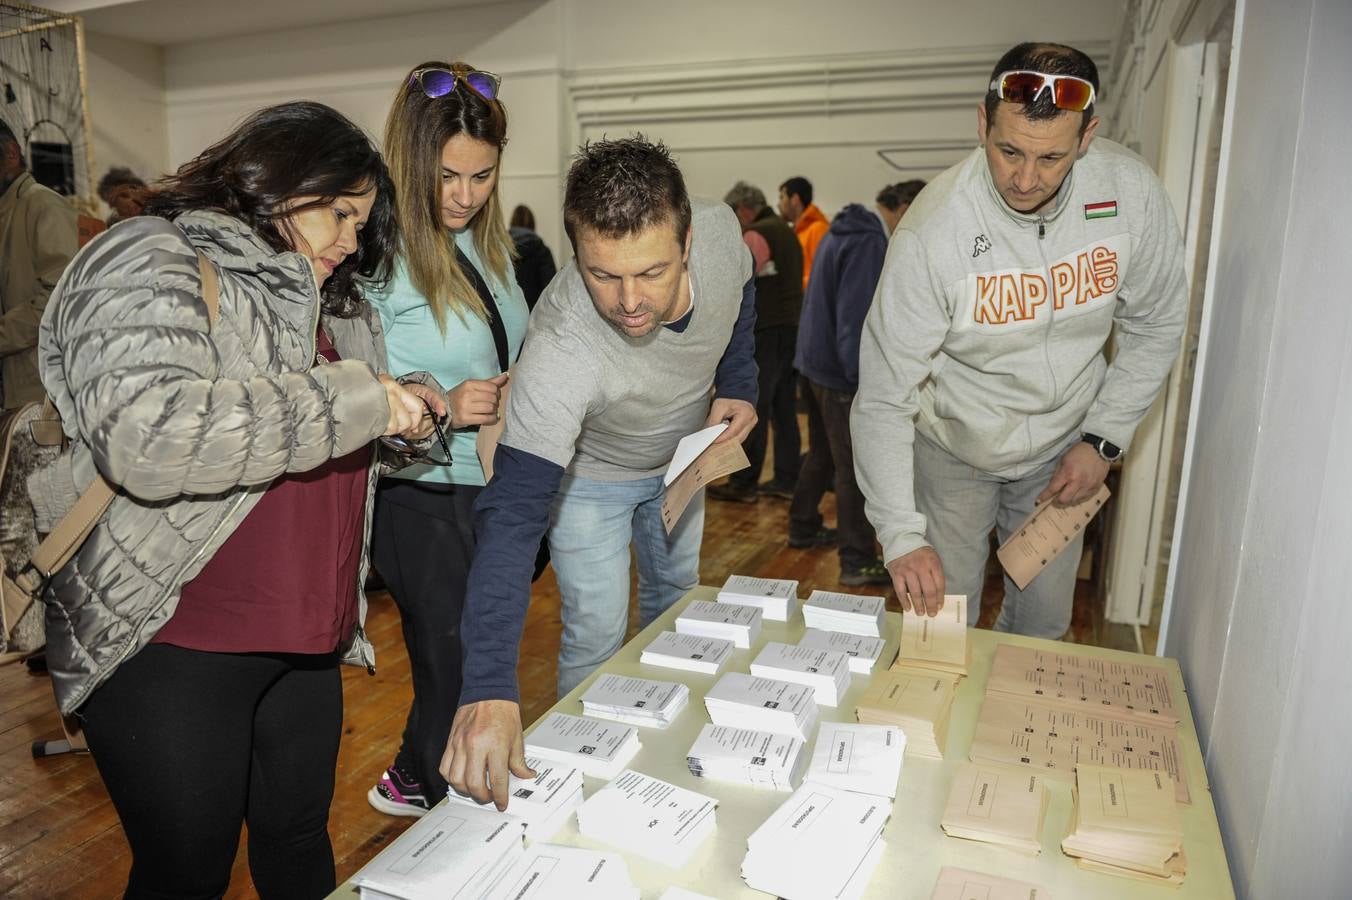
<point x="733" y="492"/>
<point x="873" y="573"/>
<point x="823" y="536"/>
<point x="777" y="489"/>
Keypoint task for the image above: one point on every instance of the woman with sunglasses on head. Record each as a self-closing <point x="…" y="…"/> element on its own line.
<point x="198" y="630"/>
<point x="453" y="308"/>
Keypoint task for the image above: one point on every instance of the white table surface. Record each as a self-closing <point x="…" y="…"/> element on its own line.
<point x="916" y="846"/>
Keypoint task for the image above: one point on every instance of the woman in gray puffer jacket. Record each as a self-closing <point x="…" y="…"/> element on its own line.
<point x="198" y="630"/>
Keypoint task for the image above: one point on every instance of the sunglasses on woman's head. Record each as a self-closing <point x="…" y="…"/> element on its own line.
<point x="438" y="82"/>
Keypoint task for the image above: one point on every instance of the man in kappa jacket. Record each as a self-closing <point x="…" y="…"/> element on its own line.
<point x="983" y="386"/>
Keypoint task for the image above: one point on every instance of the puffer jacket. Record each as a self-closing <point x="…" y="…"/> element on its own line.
<point x="190" y="421"/>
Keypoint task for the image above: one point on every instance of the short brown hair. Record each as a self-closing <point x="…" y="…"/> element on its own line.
<point x="623" y="187"/>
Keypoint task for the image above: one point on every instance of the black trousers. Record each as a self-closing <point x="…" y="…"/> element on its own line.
<point x="192" y="744"/>
<point x="775" y="407"/>
<point x="422" y="544"/>
<point x="830" y="458"/>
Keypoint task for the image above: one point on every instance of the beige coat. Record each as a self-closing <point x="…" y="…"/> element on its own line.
<point x="37" y="240"/>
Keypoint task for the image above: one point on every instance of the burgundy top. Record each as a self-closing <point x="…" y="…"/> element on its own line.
<point x="286" y="580"/>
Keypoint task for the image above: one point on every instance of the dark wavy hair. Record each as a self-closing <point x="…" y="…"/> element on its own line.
<point x="281" y="153"/>
<point x="619" y="188"/>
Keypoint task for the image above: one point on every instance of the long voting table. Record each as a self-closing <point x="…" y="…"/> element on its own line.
<point x="916" y="846"/>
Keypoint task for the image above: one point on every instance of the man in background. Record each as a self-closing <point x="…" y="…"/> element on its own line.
<point x="38" y="237"/>
<point x="849" y="261"/>
<point x="795" y="205"/>
<point x="779" y="300"/>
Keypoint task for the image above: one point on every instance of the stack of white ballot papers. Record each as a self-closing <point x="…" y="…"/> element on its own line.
<point x="601" y="749"/>
<point x="688" y="652"/>
<point x="850" y="613"/>
<point x="864" y="652"/>
<point x="762" y="704"/>
<point x="452" y="852"/>
<point x="821" y="843"/>
<point x="776" y="598"/>
<point x="865" y="759"/>
<point x="827" y="672"/>
<point x="556" y="872"/>
<point x="635" y="701"/>
<point x="739" y="624"/>
<point x="543" y="803"/>
<point x="757" y="758"/>
<point x="649" y="817"/>
<point x="996" y="806"/>
<point x="917" y="704"/>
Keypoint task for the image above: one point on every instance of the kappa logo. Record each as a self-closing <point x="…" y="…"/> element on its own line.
<point x="1018" y="296"/>
<point x="980" y="245"/>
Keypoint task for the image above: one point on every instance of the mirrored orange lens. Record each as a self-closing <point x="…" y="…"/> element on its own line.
<point x="1021" y="87"/>
<point x="1071" y="95"/>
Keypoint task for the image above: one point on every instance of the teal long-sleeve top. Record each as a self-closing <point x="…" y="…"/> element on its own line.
<point x="465" y="351"/>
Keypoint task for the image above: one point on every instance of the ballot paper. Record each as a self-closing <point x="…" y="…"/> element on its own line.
<point x="1042" y="536"/>
<point x="557" y="872"/>
<point x="864" y="652"/>
<point x="542" y="803"/>
<point x="762" y="704"/>
<point x="1054" y="738"/>
<point x="710" y="462"/>
<point x="1126" y="823"/>
<point x="1098" y="685"/>
<point x="935" y="643"/>
<point x="826" y="671"/>
<point x="597" y="748"/>
<point x="739" y="624"/>
<point x="756" y="758"/>
<point x="451" y="852"/>
<point x="688" y="652"/>
<point x="776" y="598"/>
<point x="635" y="701"/>
<point x="963" y="884"/>
<point x="917" y="704"/>
<point x="647" y="816"/>
<point x="996" y="805"/>
<point x="850" y="613"/>
<point x="822" y="842"/>
<point x="865" y="759"/>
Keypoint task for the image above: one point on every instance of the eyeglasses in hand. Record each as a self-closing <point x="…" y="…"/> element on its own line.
<point x="406" y="449"/>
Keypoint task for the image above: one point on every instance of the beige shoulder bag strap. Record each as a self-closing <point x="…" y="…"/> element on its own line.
<point x="59" y="546"/>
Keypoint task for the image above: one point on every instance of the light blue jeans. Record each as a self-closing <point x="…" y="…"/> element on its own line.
<point x="592" y="525"/>
<point x="961" y="505"/>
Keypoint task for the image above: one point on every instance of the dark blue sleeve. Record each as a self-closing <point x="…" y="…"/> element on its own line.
<point x="510" y="517"/>
<point x="736" y="378"/>
<point x="858" y="280"/>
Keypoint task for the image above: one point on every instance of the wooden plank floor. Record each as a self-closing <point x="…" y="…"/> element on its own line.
<point x="59" y="835"/>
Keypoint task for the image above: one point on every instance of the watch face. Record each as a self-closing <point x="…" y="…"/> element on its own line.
<point x="1109" y="451"/>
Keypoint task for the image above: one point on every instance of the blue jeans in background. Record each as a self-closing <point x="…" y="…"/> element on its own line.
<point x="592" y="526"/>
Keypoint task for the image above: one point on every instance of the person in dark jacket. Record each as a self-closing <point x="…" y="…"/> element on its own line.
<point x="534" y="263"/>
<point x="848" y="263"/>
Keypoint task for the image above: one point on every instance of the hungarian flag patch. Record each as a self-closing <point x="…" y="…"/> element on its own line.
<point x="1105" y="210"/>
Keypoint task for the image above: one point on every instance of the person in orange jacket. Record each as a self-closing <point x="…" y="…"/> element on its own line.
<point x="795" y="205"/>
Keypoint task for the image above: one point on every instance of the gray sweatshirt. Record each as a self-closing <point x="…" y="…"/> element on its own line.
<point x="988" y="327"/>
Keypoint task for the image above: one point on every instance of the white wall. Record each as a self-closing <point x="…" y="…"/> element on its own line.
<point x="1261" y="617"/>
<point x="817" y="88"/>
<point x="127" y="105"/>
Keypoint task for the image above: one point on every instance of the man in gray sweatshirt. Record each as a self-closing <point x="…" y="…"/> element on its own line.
<point x="983" y="386"/>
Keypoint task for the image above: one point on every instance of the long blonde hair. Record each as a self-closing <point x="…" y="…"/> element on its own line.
<point x="417" y="129"/>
